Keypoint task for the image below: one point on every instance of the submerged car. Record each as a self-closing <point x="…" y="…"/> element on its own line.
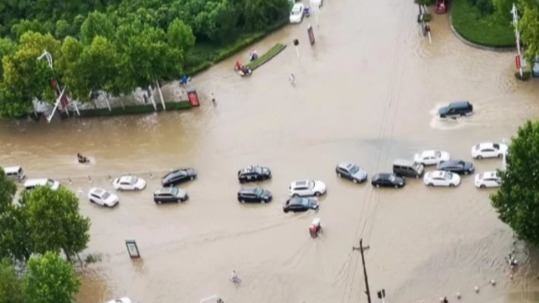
<point x="102" y="197"/>
<point x="489" y="150"/>
<point x="487" y="179"/>
<point x="456" y="166"/>
<point x="431" y="157"/>
<point x="300" y="204"/>
<point x="129" y="183"/>
<point x="387" y="180"/>
<point x="254" y="195"/>
<point x="178" y="176"/>
<point x="441" y="178"/>
<point x="306" y="188"/>
<point x="296" y="14"/>
<point x="170" y="194"/>
<point x="254" y="173"/>
<point x="351" y="172"/>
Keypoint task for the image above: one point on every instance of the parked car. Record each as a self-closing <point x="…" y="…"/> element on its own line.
<point x="296" y="14"/>
<point x="487" y="179"/>
<point x="306" y="188"/>
<point x="431" y="157"/>
<point x="456" y="109"/>
<point x="407" y="168"/>
<point x="170" y="194"/>
<point x="351" y="172"/>
<point x="489" y="150"/>
<point x="33" y="183"/>
<point x="102" y="197"/>
<point x="387" y="180"/>
<point x="120" y="300"/>
<point x="254" y="173"/>
<point x="300" y="204"/>
<point x="441" y="178"/>
<point x="129" y="183"/>
<point x="178" y="176"/>
<point x="15" y="173"/>
<point x="456" y="166"/>
<point x="254" y="195"/>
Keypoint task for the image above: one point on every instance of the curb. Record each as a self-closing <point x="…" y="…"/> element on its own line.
<point x="479" y="46"/>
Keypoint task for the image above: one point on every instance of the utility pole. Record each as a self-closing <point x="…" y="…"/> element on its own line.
<point x="517" y="37"/>
<point x="361" y="250"/>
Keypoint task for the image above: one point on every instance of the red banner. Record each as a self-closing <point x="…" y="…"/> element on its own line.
<point x="517" y="62"/>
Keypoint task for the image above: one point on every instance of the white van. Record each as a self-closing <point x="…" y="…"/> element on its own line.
<point x="33" y="183"/>
<point x="15" y="173"/>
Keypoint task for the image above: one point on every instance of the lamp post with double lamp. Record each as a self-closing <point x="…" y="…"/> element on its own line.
<point x="60" y="92"/>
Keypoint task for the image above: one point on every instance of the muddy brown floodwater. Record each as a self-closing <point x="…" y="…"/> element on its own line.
<point x="367" y="92"/>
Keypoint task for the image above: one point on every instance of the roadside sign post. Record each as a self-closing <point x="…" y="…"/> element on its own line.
<point x="517" y="37"/>
<point x="132" y="249"/>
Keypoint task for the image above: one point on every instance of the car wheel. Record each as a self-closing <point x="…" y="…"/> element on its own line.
<point x="430" y="184"/>
<point x="500" y="156"/>
<point x="192" y="178"/>
<point x="285" y="210"/>
<point x="137" y="189"/>
<point x="119" y="189"/>
<point x="482" y="186"/>
<point x="451" y="185"/>
<point x="295" y="195"/>
<point x="317" y="194"/>
<point x="92" y="201"/>
<point x="396" y="186"/>
<point x="466" y="172"/>
<point x="241" y="180"/>
<point x="158" y="201"/>
<point x="479" y="157"/>
<point x="355" y="181"/>
<point x="339" y="175"/>
<point x="377" y="185"/>
<point x="242" y="201"/>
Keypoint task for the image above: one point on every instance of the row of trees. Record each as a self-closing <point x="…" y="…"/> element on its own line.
<point x="113" y="46"/>
<point x="34" y="232"/>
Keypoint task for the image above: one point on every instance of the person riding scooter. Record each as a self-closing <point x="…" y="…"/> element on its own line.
<point x="315" y="227"/>
<point x="82" y="159"/>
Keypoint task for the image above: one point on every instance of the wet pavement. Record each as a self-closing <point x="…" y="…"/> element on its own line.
<point x="367" y="92"/>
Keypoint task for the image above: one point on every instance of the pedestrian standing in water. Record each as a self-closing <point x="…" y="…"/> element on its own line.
<point x="445" y="300"/>
<point x="212" y="97"/>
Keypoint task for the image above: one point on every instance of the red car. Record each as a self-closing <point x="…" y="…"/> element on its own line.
<point x="441" y="6"/>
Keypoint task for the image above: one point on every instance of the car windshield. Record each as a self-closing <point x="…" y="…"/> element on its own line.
<point x="296" y="10"/>
<point x="437" y="154"/>
<point x="258" y="191"/>
<point x="496" y="145"/>
<point x="354" y="169"/>
<point x="50" y="182"/>
<point x="305" y="202"/>
<point x="174" y="191"/>
<point x="448" y="176"/>
<point x="133" y="180"/>
<point x="310" y="183"/>
<point x="391" y="178"/>
<point x="258" y="170"/>
<point x="105" y="195"/>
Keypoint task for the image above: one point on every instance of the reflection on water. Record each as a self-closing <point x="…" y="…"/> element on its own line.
<point x="366" y="93"/>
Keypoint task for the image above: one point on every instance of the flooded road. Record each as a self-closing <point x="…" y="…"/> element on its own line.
<point x="367" y="92"/>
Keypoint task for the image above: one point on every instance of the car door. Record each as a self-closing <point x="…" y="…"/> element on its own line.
<point x="488" y="152"/>
<point x="429" y="160"/>
<point x="97" y="199"/>
<point x="126" y="185"/>
<point x="302" y="190"/>
<point x="345" y="173"/>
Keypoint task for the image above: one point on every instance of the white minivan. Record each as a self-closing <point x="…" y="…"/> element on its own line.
<point x="15" y="173"/>
<point x="33" y="183"/>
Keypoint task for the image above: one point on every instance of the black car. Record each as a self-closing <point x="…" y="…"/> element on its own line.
<point x="456" y="109"/>
<point x="170" y="194"/>
<point x="179" y="176"/>
<point x="351" y="172"/>
<point x="387" y="180"/>
<point x="456" y="166"/>
<point x="300" y="204"/>
<point x="254" y="173"/>
<point x="254" y="195"/>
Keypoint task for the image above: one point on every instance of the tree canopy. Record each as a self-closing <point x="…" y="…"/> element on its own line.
<point x="112" y="45"/>
<point x="517" y="200"/>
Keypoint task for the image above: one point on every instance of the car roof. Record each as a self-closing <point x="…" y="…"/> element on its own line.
<point x="32" y="182"/>
<point x="300" y="182"/>
<point x="298" y="5"/>
<point x="403" y="162"/>
<point x="382" y="176"/>
<point x="459" y="104"/>
<point x="125" y="178"/>
<point x="346" y="165"/>
<point x="248" y="189"/>
<point x="438" y="173"/>
<point x="489" y="174"/>
<point x="97" y="191"/>
<point x="12" y="169"/>
<point x="430" y="152"/>
<point x="299" y="200"/>
<point x="164" y="190"/>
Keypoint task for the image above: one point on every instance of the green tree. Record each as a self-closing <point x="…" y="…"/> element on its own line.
<point x="11" y="290"/>
<point x="517" y="200"/>
<point x="55" y="222"/>
<point x="96" y="24"/>
<point x="261" y="14"/>
<point x="180" y="36"/>
<point x="15" y="234"/>
<point x="529" y="27"/>
<point x="7" y="48"/>
<point x="49" y="279"/>
<point x="7" y="191"/>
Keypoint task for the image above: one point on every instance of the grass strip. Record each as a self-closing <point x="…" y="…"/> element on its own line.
<point x="134" y="109"/>
<point x="486" y="30"/>
<point x="274" y="51"/>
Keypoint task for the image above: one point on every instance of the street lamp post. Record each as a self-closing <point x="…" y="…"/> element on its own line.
<point x="504" y="160"/>
<point x="517" y="36"/>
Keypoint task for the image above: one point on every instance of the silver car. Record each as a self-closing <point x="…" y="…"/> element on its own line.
<point x="351" y="172"/>
<point x="170" y="194"/>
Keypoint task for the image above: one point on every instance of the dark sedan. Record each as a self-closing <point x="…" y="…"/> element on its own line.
<point x="456" y="166"/>
<point x="179" y="176"/>
<point x="387" y="180"/>
<point x="351" y="172"/>
<point x="254" y="195"/>
<point x="254" y="173"/>
<point x="300" y="204"/>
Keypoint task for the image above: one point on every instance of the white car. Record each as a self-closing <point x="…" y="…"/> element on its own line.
<point x="441" y="178"/>
<point x="487" y="179"/>
<point x="489" y="150"/>
<point x="102" y="197"/>
<point x="120" y="300"/>
<point x="296" y="14"/>
<point x="431" y="157"/>
<point x="129" y="183"/>
<point x="307" y="188"/>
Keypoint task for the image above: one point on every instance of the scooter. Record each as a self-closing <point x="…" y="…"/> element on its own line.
<point x="82" y="159"/>
<point x="315" y="228"/>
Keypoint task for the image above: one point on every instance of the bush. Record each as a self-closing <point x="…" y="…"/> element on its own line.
<point x="274" y="51"/>
<point x="478" y="28"/>
<point x="134" y="109"/>
<point x="526" y="75"/>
